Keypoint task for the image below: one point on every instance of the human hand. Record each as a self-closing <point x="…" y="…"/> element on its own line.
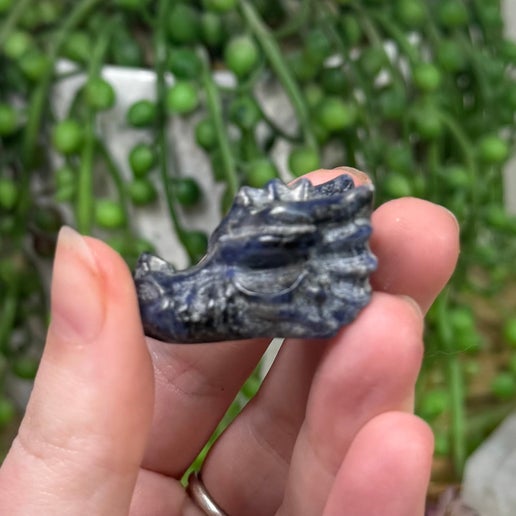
<point x="115" y="419"/>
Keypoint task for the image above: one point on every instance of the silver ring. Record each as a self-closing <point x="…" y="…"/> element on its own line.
<point x="200" y="496"/>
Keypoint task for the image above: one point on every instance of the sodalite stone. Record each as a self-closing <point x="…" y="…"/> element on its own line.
<point x="285" y="262"/>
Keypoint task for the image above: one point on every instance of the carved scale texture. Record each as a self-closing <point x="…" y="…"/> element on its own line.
<point x="285" y="262"/>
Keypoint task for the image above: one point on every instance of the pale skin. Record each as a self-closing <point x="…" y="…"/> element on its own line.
<point x="115" y="419"/>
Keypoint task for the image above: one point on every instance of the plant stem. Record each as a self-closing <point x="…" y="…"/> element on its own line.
<point x="160" y="47"/>
<point x="215" y="109"/>
<point x="37" y="104"/>
<point x="115" y="176"/>
<point x="296" y="22"/>
<point x="16" y="12"/>
<point x="433" y="165"/>
<point x="8" y="314"/>
<point x="397" y="35"/>
<point x="84" y="202"/>
<point x="490" y="35"/>
<point x="363" y="85"/>
<point x="455" y="383"/>
<point x="39" y="97"/>
<point x="250" y="150"/>
<point x="246" y="86"/>
<point x="281" y="69"/>
<point x="376" y="41"/>
<point x="469" y="157"/>
<point x="435" y="37"/>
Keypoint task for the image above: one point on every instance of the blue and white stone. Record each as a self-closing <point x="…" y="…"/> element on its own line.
<point x="286" y="261"/>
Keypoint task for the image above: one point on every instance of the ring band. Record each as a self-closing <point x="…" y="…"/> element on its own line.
<point x="200" y="496"/>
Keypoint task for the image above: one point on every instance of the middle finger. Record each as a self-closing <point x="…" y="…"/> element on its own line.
<point x="199" y="382"/>
<point x="265" y="433"/>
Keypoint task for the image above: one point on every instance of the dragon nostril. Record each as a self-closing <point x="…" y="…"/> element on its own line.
<point x="148" y="291"/>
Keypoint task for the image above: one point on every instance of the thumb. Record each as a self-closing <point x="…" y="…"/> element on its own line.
<point x="80" y="444"/>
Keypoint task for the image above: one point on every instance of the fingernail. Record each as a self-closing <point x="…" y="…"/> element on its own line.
<point x="452" y="215"/>
<point x="415" y="306"/>
<point x="77" y="301"/>
<point x="361" y="177"/>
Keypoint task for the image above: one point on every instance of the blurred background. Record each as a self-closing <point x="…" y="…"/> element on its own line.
<point x="137" y="121"/>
